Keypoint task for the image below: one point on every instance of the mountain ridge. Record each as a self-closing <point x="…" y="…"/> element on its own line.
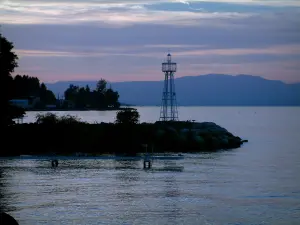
<point x="203" y="90"/>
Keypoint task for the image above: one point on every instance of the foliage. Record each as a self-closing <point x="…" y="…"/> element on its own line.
<point x="127" y="116"/>
<point x="100" y="98"/>
<point x="28" y="87"/>
<point x="21" y="87"/>
<point x="8" y="58"/>
<point x="48" y="118"/>
<point x="9" y="113"/>
<point x="8" y="61"/>
<point x="101" y="86"/>
<point x="68" y="119"/>
<point x="51" y="118"/>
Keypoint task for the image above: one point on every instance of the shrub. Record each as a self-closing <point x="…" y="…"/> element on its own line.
<point x="51" y="118"/>
<point x="48" y="118"/>
<point x="127" y="116"/>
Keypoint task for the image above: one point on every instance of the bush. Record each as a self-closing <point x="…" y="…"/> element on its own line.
<point x="68" y="119"/>
<point x="50" y="118"/>
<point x="127" y="116"/>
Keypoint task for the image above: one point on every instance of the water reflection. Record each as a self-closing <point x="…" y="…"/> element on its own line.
<point x="5" y="197"/>
<point x="125" y="198"/>
<point x="256" y="184"/>
<point x="127" y="177"/>
<point x="168" y="166"/>
<point x="1" y="191"/>
<point x="126" y="164"/>
<point x="170" y="204"/>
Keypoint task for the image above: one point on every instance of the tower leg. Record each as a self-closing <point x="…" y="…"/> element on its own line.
<point x="166" y="96"/>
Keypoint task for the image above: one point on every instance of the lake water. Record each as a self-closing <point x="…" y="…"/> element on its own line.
<point x="258" y="183"/>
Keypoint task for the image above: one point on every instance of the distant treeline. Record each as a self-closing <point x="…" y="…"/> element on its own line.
<point x="100" y="98"/>
<point x="75" y="97"/>
<point x="26" y="87"/>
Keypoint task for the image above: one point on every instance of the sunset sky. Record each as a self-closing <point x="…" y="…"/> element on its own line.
<point x="122" y="40"/>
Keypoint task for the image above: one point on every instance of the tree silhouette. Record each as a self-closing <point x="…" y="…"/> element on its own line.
<point x="46" y="96"/>
<point x="101" y="86"/>
<point x="8" y="61"/>
<point x="127" y="116"/>
<point x="8" y="58"/>
<point x="26" y="87"/>
<point x="100" y="98"/>
<point x="112" y="97"/>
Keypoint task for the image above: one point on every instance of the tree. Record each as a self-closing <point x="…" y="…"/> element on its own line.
<point x="26" y="87"/>
<point x="8" y="58"/>
<point x="8" y="61"/>
<point x="100" y="98"/>
<point x="46" y="96"/>
<point x="71" y="92"/>
<point x="101" y="86"/>
<point x="128" y="116"/>
<point x="87" y="89"/>
<point x="112" y="98"/>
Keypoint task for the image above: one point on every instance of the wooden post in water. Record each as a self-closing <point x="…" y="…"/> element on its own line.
<point x="147" y="163"/>
<point x="147" y="159"/>
<point x="54" y="163"/>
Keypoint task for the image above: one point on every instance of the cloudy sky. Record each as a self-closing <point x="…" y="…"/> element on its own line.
<point x="122" y="40"/>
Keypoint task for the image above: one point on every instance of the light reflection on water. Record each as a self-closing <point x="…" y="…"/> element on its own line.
<point x="255" y="184"/>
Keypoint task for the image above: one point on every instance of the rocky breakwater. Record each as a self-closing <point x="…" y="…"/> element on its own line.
<point x="65" y="137"/>
<point x="195" y="136"/>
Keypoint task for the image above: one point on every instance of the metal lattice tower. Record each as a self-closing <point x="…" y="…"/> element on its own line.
<point x="168" y="110"/>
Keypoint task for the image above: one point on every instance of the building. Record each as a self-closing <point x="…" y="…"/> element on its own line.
<point x="26" y="103"/>
<point x="23" y="103"/>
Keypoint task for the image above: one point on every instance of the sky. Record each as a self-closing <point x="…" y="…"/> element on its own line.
<point x="125" y="40"/>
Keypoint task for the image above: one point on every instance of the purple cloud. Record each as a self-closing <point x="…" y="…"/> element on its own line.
<point x="127" y="40"/>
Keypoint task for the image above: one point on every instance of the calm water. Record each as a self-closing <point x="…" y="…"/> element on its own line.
<point x="258" y="183"/>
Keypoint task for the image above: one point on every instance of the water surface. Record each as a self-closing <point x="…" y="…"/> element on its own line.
<point x="258" y="183"/>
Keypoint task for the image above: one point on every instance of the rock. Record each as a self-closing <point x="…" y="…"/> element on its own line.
<point x="6" y="219"/>
<point x="199" y="139"/>
<point x="201" y="136"/>
<point x="208" y="126"/>
<point x="160" y="133"/>
<point x="215" y="143"/>
<point x="171" y="129"/>
<point x="234" y="142"/>
<point x="182" y="138"/>
<point x="184" y="131"/>
<point x="223" y="141"/>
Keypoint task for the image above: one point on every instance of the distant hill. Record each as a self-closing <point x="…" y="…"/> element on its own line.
<point x="204" y="90"/>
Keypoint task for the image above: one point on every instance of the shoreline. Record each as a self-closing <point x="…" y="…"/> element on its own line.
<point x="131" y="107"/>
<point x="74" y="110"/>
<point x="154" y="156"/>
